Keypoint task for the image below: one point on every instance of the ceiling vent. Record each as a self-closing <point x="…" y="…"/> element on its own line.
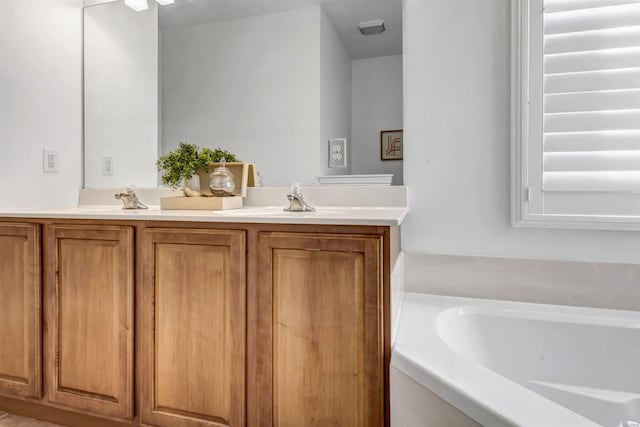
<point x="372" y="27"/>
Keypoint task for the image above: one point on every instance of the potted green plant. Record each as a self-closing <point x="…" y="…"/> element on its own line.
<point x="208" y="156"/>
<point x="181" y="165"/>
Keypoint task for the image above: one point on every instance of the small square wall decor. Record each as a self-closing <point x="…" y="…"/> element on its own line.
<point x="391" y="145"/>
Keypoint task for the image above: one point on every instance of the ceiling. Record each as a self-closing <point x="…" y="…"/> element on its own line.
<point x="344" y="14"/>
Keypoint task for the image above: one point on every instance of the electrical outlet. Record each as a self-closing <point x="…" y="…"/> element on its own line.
<point x="107" y="165"/>
<point x="50" y="159"/>
<point x="338" y="153"/>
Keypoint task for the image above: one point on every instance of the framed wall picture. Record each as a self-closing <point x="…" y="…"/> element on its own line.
<point x="391" y="145"/>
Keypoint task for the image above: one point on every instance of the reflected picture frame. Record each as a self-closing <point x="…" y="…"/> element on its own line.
<point x="391" y="144"/>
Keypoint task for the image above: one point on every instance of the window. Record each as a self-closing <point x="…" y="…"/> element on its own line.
<point x="576" y="113"/>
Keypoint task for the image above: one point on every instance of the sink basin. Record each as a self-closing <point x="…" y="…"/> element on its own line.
<point x="261" y="211"/>
<point x="279" y="211"/>
<point x="94" y="208"/>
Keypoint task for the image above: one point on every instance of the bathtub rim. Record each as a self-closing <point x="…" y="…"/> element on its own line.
<point x="479" y="392"/>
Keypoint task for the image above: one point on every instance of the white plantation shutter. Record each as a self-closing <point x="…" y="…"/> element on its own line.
<point x="585" y="159"/>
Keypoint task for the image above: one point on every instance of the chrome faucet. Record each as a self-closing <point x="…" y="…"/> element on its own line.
<point x="296" y="201"/>
<point x="130" y="199"/>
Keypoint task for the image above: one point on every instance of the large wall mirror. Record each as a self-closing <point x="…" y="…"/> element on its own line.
<point x="272" y="81"/>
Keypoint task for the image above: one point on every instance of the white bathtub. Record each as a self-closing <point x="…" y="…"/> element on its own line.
<point x="516" y="364"/>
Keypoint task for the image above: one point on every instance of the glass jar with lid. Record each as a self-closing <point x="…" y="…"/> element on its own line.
<point x="222" y="182"/>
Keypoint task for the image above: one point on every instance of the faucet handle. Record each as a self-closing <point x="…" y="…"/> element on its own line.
<point x="130" y="199"/>
<point x="295" y="189"/>
<point x="296" y="201"/>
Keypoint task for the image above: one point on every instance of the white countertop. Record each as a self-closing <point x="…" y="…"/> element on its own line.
<point x="384" y="216"/>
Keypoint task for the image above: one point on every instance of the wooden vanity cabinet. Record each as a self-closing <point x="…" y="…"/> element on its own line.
<point x="236" y="325"/>
<point x="320" y="341"/>
<point x="193" y="331"/>
<point x="20" y="289"/>
<point x="89" y="301"/>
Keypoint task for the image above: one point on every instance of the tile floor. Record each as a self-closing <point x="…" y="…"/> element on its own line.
<point x="10" y="420"/>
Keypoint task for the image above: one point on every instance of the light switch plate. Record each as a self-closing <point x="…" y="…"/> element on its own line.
<point x="107" y="165"/>
<point x="50" y="159"/>
<point x="338" y="153"/>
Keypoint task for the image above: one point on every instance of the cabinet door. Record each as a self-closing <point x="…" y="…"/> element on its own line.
<point x="89" y="318"/>
<point x="320" y="331"/>
<point x="193" y="328"/>
<point x="20" y="358"/>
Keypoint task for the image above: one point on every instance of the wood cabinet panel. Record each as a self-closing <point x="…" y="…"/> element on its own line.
<point x="320" y="331"/>
<point x="310" y="299"/>
<point x="20" y="290"/>
<point x="193" y="322"/>
<point x="89" y="318"/>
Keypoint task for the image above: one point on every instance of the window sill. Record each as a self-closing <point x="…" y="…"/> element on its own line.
<point x="578" y="222"/>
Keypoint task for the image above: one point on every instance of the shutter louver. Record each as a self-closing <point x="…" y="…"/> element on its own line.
<point x="591" y="107"/>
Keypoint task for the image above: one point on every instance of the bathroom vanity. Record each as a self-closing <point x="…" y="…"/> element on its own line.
<point x="192" y="319"/>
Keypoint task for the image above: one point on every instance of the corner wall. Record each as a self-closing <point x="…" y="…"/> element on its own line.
<point x="457" y="141"/>
<point x="377" y="106"/>
<point x="335" y="95"/>
<point x="121" y="94"/>
<point x="40" y="101"/>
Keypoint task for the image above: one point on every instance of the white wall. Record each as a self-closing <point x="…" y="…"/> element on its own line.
<point x="335" y="94"/>
<point x="249" y="85"/>
<point x="457" y="141"/>
<point x="40" y="101"/>
<point x="377" y="105"/>
<point x="121" y="94"/>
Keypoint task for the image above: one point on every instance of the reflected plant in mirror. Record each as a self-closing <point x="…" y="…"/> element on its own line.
<point x="272" y="81"/>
